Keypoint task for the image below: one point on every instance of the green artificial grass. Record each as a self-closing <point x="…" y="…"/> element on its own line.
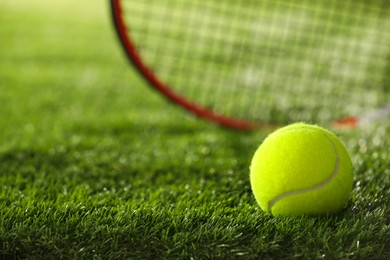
<point x="93" y="164"/>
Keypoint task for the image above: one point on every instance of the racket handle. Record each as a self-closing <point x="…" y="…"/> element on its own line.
<point x="365" y="119"/>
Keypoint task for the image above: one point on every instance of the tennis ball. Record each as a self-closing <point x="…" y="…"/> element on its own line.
<point x="301" y="169"/>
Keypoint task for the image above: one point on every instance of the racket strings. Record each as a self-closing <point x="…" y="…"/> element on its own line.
<point x="267" y="60"/>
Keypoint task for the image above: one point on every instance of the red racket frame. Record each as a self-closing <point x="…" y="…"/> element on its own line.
<point x="136" y="59"/>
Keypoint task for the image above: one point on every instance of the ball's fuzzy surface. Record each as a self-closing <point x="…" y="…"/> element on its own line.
<point x="301" y="169"/>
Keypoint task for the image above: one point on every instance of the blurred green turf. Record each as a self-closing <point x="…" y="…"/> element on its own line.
<point x="95" y="164"/>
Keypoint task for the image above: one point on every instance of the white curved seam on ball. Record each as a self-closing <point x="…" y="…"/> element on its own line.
<point x="272" y="202"/>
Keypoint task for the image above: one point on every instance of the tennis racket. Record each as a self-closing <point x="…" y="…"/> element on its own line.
<point x="261" y="63"/>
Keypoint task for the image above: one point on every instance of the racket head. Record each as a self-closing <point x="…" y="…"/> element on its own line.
<point x="257" y="108"/>
<point x="137" y="61"/>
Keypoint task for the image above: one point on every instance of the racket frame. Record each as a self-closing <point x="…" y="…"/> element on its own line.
<point x="149" y="75"/>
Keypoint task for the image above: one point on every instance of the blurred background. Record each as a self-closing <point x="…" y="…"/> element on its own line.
<point x="61" y="67"/>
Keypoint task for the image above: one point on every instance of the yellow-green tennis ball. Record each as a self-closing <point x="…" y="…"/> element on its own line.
<point x="301" y="169"/>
